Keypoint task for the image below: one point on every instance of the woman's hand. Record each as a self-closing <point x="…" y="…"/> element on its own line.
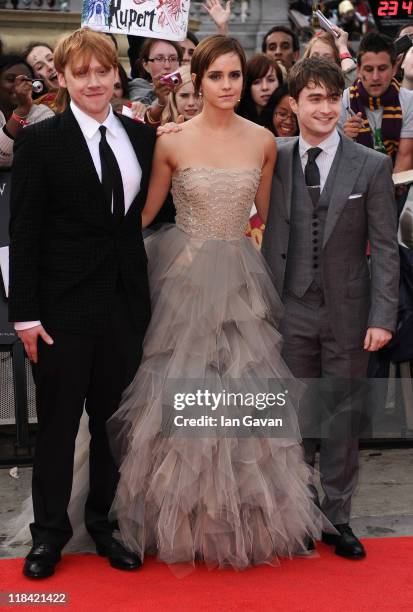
<point x="341" y="41"/>
<point x="162" y="90"/>
<point x="23" y="91"/>
<point x="138" y="110"/>
<point x="219" y="15"/>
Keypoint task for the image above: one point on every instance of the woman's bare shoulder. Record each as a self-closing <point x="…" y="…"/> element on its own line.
<point x="268" y="139"/>
<point x="257" y="131"/>
<point x="172" y="146"/>
<point x="175" y="138"/>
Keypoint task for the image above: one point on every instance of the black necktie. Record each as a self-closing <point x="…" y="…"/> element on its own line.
<point x="111" y="178"/>
<point x="312" y="174"/>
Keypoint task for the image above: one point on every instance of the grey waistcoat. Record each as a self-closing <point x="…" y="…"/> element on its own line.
<point x="304" y="260"/>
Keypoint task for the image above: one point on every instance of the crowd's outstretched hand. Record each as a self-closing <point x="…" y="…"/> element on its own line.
<point x="341" y="42"/>
<point x="138" y="110"/>
<point x="23" y="93"/>
<point x="219" y="15"/>
<point x="351" y="127"/>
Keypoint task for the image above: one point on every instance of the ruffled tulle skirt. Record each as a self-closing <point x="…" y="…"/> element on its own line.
<point x="232" y="499"/>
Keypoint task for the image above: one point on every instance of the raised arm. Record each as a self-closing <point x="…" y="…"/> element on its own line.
<point x="262" y="199"/>
<point x="219" y="15"/>
<point x="160" y="182"/>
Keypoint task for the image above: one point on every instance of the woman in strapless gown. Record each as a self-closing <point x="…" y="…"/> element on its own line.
<point x="227" y="500"/>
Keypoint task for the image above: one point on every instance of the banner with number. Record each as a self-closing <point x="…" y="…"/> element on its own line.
<point x="391" y="15"/>
<point x="166" y="19"/>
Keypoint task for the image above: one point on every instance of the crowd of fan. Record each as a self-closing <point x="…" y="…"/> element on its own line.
<point x="376" y="79"/>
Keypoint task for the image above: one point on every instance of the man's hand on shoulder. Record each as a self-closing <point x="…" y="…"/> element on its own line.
<point x="376" y="338"/>
<point x="30" y="338"/>
<point x="170" y="128"/>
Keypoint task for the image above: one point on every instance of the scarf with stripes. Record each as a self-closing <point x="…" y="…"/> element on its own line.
<point x="392" y="115"/>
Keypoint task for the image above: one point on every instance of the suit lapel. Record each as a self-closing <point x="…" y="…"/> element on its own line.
<point x="137" y="143"/>
<point x="284" y="172"/>
<point x="139" y="147"/>
<point x="349" y="168"/>
<point x="81" y="159"/>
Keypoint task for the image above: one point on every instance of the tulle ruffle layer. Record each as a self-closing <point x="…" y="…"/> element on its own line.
<point x="226" y="500"/>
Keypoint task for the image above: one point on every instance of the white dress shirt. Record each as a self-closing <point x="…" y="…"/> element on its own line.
<point x="122" y="148"/>
<point x="325" y="159"/>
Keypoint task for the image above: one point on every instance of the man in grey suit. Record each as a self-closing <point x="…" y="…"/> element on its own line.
<point x="330" y="196"/>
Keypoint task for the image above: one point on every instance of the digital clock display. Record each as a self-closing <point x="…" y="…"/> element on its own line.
<point x="393" y="8"/>
<point x="390" y="15"/>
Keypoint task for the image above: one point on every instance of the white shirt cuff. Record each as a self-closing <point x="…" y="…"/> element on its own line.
<point x="22" y="325"/>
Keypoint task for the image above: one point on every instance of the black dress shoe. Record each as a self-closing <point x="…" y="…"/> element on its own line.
<point x="41" y="561"/>
<point x="119" y="557"/>
<point x="346" y="543"/>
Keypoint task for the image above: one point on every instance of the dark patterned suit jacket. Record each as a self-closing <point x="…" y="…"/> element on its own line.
<point x="66" y="254"/>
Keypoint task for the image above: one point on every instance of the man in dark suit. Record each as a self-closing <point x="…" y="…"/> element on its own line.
<point x="329" y="197"/>
<point x="79" y="292"/>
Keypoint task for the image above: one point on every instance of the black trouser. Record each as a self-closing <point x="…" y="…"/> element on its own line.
<point x="79" y="370"/>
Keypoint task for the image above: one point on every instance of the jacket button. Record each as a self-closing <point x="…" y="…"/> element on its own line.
<point x="283" y="255"/>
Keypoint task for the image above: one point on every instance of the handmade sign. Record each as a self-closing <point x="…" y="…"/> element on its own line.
<point x="166" y="19"/>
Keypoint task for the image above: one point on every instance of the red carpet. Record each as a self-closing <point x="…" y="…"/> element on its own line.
<point x="382" y="582"/>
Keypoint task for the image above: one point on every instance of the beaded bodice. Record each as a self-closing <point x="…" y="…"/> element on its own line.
<point x="214" y="203"/>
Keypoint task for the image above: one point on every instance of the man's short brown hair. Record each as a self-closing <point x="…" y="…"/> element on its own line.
<point x="81" y="45"/>
<point x="318" y="71"/>
<point x="375" y="42"/>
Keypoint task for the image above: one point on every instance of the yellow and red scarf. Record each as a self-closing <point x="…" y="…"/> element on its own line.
<point x="392" y="115"/>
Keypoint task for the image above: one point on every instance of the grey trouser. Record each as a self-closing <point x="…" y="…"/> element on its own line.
<point x="330" y="411"/>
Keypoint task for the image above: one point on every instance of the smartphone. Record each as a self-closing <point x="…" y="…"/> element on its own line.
<point x="325" y="24"/>
<point x="403" y="44"/>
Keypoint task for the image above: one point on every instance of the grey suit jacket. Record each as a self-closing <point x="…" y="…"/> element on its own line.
<point x="361" y="208"/>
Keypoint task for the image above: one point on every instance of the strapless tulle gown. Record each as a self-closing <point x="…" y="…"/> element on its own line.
<point x="236" y="500"/>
